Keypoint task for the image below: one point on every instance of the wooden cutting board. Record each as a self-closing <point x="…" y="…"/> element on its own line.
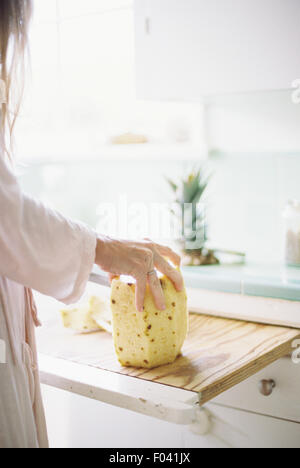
<point x="217" y="355"/>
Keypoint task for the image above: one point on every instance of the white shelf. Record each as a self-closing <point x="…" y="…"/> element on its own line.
<point x="131" y="153"/>
<point x="148" y="398"/>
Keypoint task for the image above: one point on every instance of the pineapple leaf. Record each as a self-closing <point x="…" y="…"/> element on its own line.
<point x="173" y="186"/>
<point x="190" y="191"/>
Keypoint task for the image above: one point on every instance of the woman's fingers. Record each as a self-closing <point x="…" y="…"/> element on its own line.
<point x="140" y="292"/>
<point x="173" y="256"/>
<point x="156" y="291"/>
<point x="157" y="260"/>
<point x="111" y="277"/>
<point x="154" y="283"/>
<point x="164" y="267"/>
<point x="140" y="260"/>
<point x="169" y="253"/>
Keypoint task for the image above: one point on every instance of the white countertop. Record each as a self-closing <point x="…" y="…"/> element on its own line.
<point x="148" y="398"/>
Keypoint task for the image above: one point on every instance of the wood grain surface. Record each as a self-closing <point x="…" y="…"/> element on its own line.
<point x="217" y="355"/>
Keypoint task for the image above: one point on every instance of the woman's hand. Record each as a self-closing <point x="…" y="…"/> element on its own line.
<point x="139" y="260"/>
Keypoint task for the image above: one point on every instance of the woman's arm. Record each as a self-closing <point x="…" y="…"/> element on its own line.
<point x="40" y="248"/>
<point x="45" y="251"/>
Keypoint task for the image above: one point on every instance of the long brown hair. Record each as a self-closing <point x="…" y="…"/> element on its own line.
<point x="14" y="21"/>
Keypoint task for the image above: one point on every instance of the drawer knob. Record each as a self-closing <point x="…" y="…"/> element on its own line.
<point x="266" y="387"/>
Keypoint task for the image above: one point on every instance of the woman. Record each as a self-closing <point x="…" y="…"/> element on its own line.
<point x="42" y="250"/>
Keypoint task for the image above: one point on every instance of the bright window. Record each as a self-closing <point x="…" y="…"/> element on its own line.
<point x="82" y="86"/>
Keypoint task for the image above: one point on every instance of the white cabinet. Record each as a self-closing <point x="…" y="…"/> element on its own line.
<point x="284" y="401"/>
<point x="78" y="422"/>
<point x="187" y="49"/>
<point x="231" y="428"/>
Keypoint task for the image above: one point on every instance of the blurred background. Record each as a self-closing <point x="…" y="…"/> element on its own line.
<point x="84" y="90"/>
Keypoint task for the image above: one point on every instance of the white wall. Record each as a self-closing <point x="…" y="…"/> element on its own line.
<point x="254" y="122"/>
<point x="255" y="145"/>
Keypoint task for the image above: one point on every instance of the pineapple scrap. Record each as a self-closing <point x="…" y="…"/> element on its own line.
<point x="152" y="338"/>
<point x="87" y="318"/>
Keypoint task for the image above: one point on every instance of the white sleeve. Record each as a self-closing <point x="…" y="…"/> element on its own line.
<point x="39" y="248"/>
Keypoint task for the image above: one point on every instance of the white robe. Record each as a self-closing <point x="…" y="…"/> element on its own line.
<point x="42" y="250"/>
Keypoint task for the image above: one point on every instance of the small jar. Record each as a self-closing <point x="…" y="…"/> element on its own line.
<point x="292" y="233"/>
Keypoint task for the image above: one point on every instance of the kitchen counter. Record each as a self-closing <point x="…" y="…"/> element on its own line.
<point x="272" y="281"/>
<point x="217" y="354"/>
<point x="239" y="417"/>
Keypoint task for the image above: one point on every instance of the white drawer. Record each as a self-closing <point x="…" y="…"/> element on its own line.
<point x="232" y="428"/>
<point x="284" y="402"/>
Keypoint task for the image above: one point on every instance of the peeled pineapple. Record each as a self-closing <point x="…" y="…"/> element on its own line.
<point x="152" y="338"/>
<point x="93" y="316"/>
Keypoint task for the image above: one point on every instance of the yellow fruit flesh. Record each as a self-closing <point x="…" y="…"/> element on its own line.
<point x="83" y="318"/>
<point x="79" y="319"/>
<point x="152" y="338"/>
